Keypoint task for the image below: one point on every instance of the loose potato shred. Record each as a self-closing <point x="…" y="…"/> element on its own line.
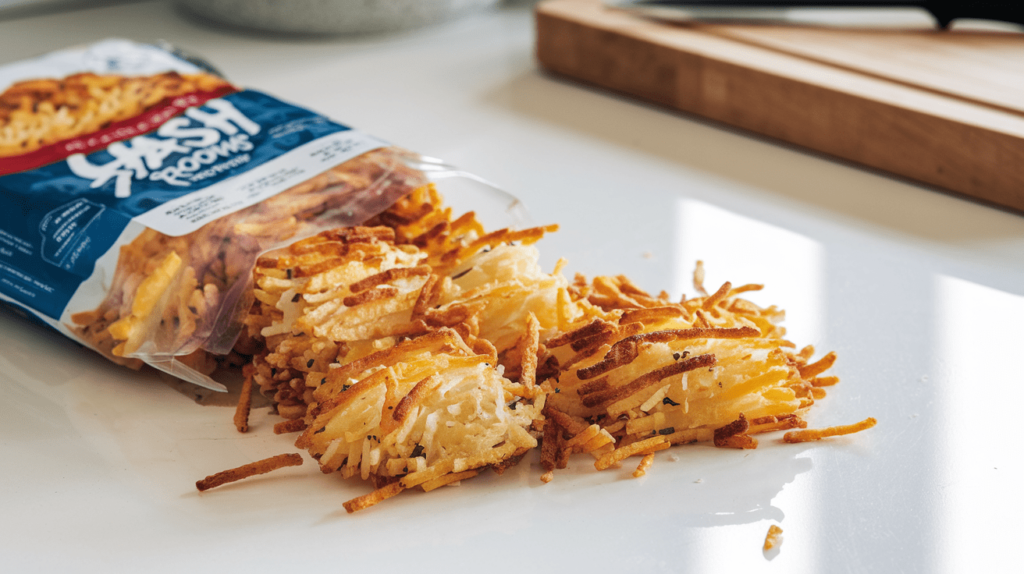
<point x="244" y="400"/>
<point x="773" y="538"/>
<point x="640" y="447"/>
<point x="645" y="464"/>
<point x="810" y="435"/>
<point x="375" y="497"/>
<point x="770" y="423"/>
<point x="698" y="278"/>
<point x="717" y="297"/>
<point x="245" y="471"/>
<point x="824" y="381"/>
<point x="740" y="441"/>
<point x="285" y="427"/>
<point x="815" y="369"/>
<point x="745" y="288"/>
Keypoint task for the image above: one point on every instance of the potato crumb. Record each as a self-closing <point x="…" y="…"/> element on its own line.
<point x="773" y="538"/>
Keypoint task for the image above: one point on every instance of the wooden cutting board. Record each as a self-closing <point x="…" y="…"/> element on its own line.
<point x="943" y="108"/>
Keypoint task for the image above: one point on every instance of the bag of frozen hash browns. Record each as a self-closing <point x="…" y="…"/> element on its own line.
<point x="138" y="188"/>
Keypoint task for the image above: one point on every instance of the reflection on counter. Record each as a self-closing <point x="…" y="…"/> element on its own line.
<point x="978" y="341"/>
<point x="743" y="250"/>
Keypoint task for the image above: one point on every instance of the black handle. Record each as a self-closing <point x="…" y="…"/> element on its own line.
<point x="945" y="11"/>
<point x="786" y="3"/>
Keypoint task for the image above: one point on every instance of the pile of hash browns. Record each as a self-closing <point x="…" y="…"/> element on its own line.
<point x="419" y="350"/>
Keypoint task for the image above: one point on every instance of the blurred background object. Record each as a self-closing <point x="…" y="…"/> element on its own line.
<point x="843" y="13"/>
<point x="331" y="16"/>
<point x="10" y="9"/>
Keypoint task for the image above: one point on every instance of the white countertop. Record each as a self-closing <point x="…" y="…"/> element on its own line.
<point x="917" y="291"/>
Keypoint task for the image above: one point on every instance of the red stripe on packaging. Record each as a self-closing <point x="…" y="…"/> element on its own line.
<point x="141" y="124"/>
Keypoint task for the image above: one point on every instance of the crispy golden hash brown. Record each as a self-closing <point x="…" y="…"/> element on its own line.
<point x="437" y="405"/>
<point x="37" y="113"/>
<point x="342" y="295"/>
<point x="167" y="293"/>
<point x="419" y="349"/>
<point x="401" y="370"/>
<point x="711" y="368"/>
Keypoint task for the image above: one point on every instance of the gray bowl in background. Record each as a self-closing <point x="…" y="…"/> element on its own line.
<point x="331" y="16"/>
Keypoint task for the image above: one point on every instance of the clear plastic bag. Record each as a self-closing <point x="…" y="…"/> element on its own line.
<point x="152" y="218"/>
<point x="198" y="317"/>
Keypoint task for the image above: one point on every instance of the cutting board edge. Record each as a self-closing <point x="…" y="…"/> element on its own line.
<point x="927" y="147"/>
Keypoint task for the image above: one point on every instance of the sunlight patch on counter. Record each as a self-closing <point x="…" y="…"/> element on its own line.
<point x="742" y="250"/>
<point x="978" y="342"/>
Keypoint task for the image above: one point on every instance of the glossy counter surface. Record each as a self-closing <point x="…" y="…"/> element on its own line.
<point x="921" y="295"/>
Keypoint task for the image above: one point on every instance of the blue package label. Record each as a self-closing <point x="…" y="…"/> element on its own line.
<point x="214" y="159"/>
